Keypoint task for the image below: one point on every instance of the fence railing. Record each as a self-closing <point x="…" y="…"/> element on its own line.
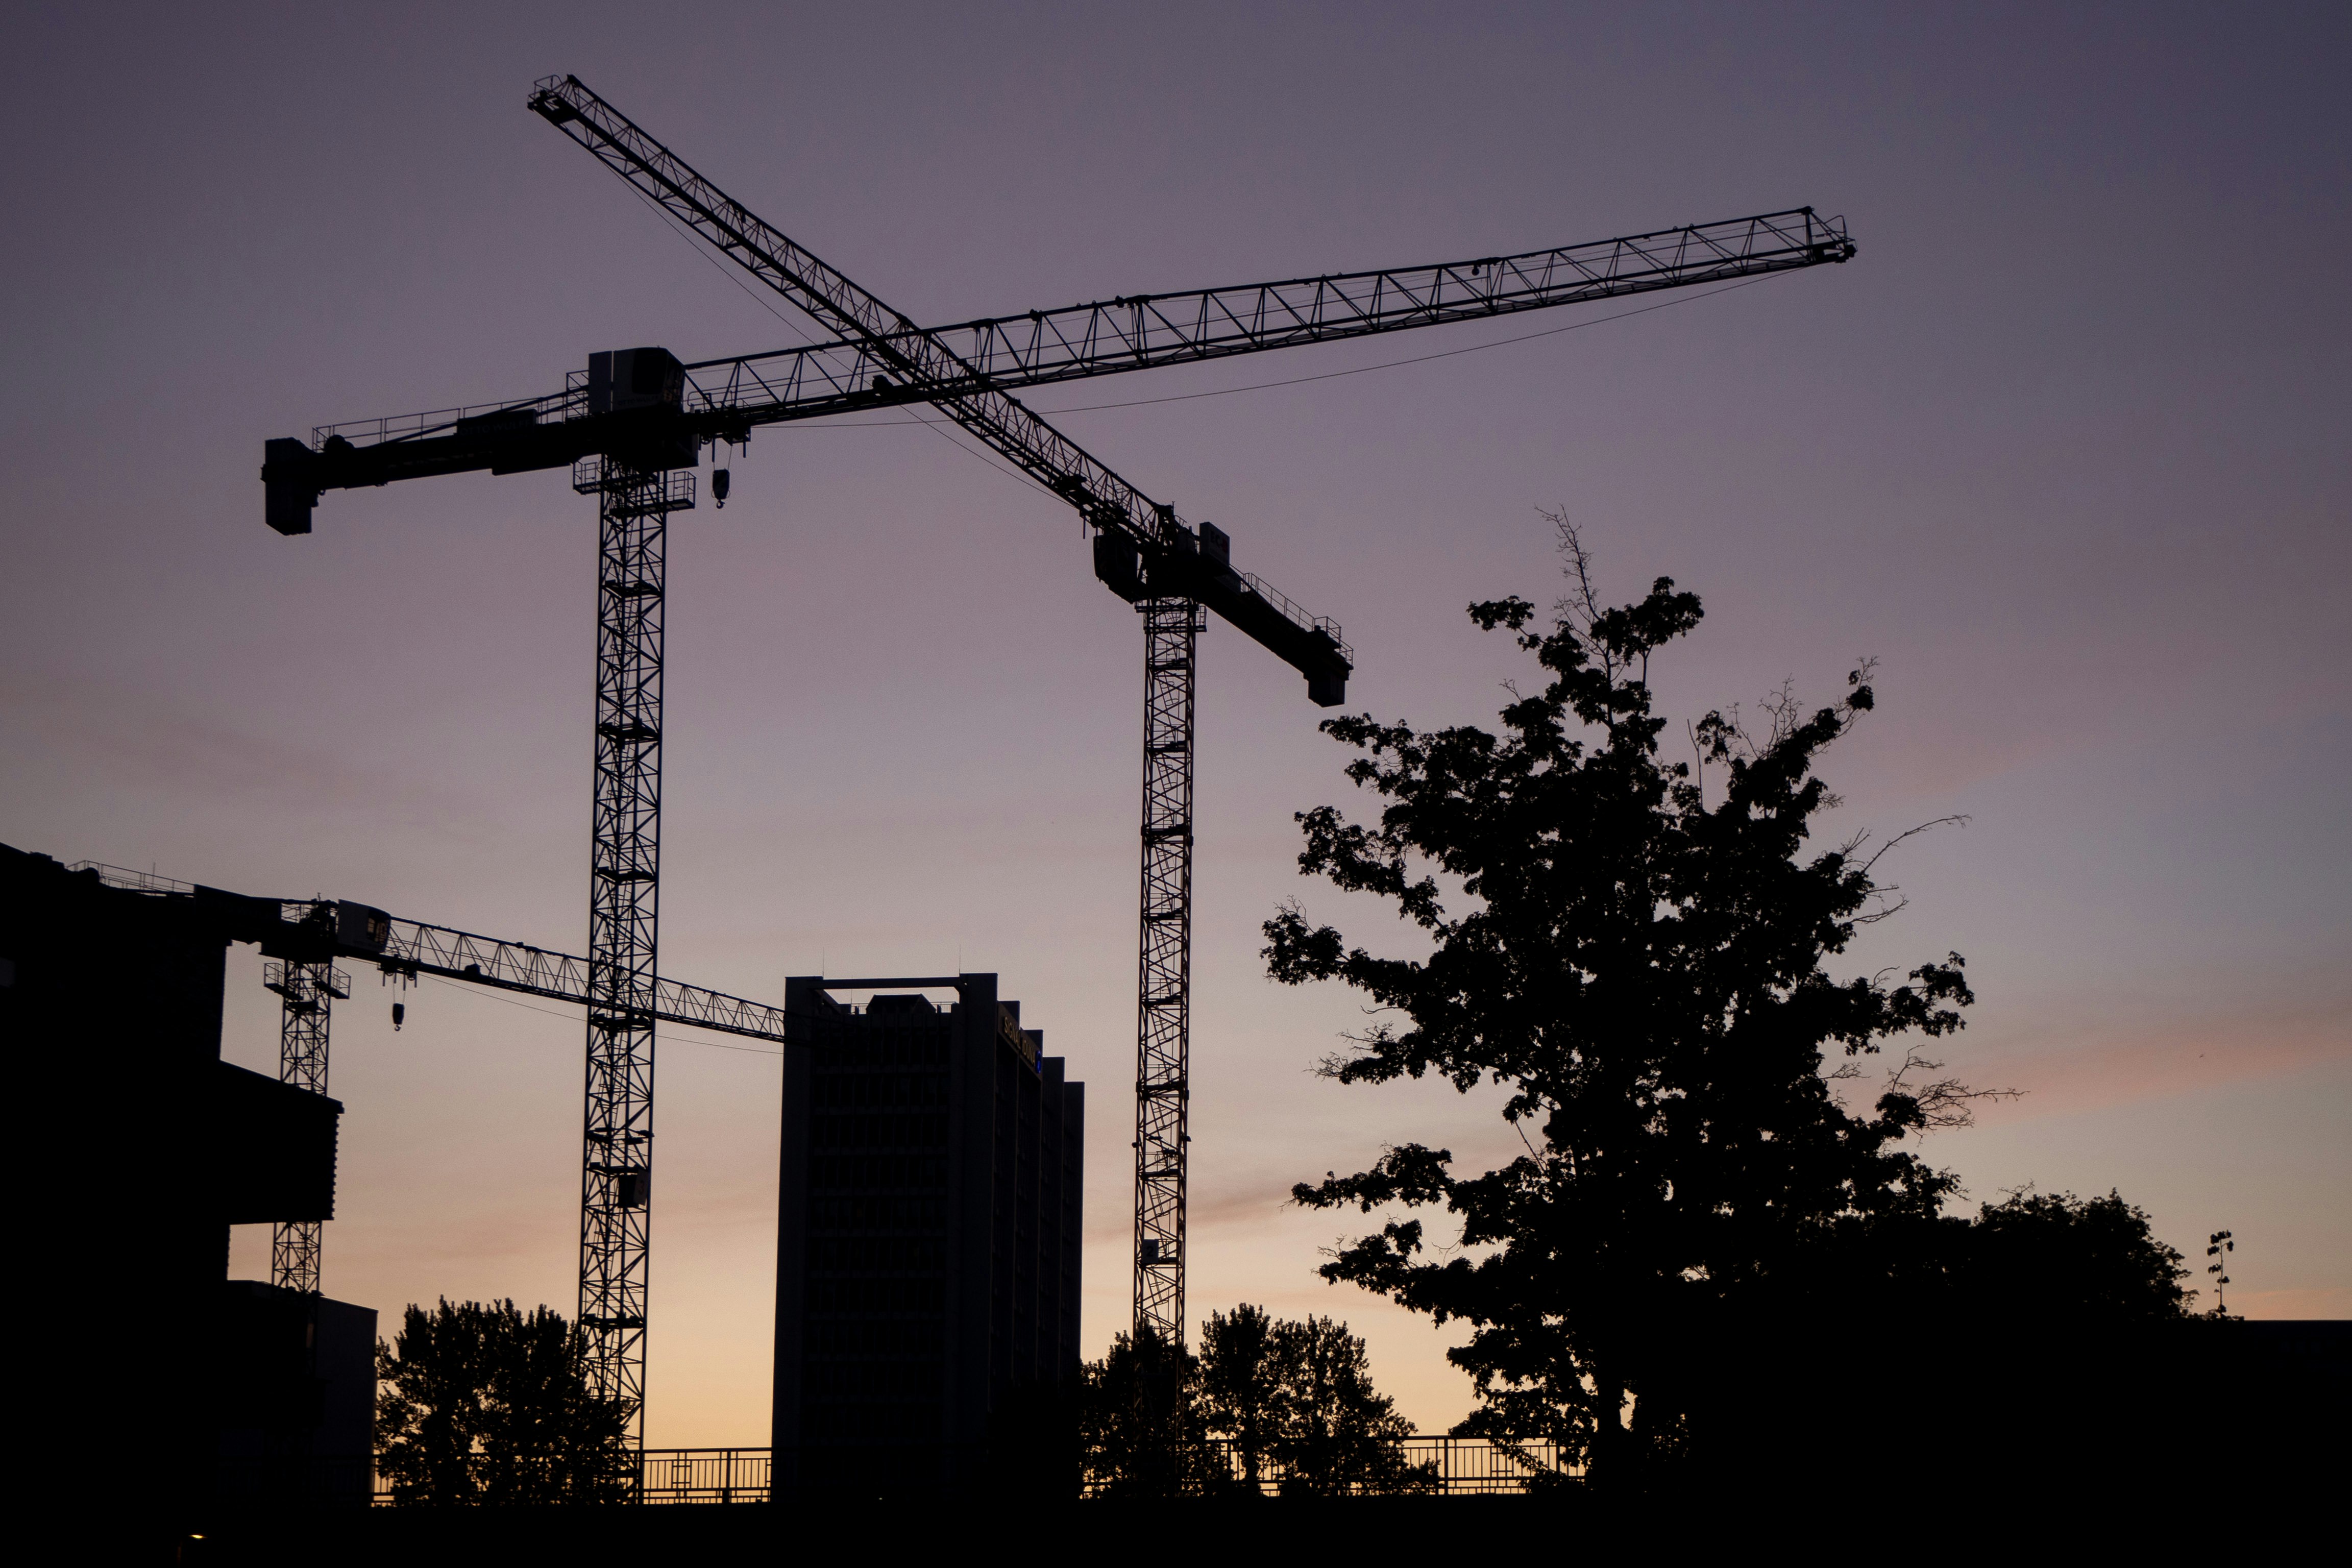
<point x="1441" y="1465"/>
<point x="704" y="1474"/>
<point x="1463" y="1466"/>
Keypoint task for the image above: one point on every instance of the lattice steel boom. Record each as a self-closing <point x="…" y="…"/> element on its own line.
<point x="405" y="949"/>
<point x="1139" y="332"/>
<point x="410" y="948"/>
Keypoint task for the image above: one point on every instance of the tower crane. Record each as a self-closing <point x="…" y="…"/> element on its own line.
<point x="301" y="941"/>
<point x="1143" y="549"/>
<point x="636" y="417"/>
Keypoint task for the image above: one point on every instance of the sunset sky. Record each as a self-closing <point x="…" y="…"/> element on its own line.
<point x="2064" y="448"/>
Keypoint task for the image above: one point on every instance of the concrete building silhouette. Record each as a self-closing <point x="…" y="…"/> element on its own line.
<point x="234" y="1392"/>
<point x="928" y="1238"/>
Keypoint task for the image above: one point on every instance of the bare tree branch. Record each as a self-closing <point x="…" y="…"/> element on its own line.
<point x="1910" y="833"/>
<point x="1944" y="1102"/>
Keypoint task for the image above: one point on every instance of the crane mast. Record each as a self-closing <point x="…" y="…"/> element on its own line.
<point x="633" y="507"/>
<point x="1163" y="1086"/>
<point x="307" y="992"/>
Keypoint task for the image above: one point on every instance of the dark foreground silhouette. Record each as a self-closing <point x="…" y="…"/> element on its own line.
<point x="486" y="1405"/>
<point x="2154" y="1430"/>
<point x="1721" y="1262"/>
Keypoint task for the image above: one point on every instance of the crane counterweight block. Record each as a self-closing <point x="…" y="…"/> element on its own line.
<point x="511" y="441"/>
<point x="289" y="474"/>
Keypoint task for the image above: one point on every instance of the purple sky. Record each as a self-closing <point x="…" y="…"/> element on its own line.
<point x="2064" y="448"/>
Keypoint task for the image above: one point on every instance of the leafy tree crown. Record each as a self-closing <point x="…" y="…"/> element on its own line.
<point x="1639" y="952"/>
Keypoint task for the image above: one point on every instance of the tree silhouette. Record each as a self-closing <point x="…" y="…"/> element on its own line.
<point x="429" y="1405"/>
<point x="480" y="1403"/>
<point x="2069" y="1260"/>
<point x="1638" y="953"/>
<point x="1140" y="1422"/>
<point x="1243" y="1380"/>
<point x="1267" y="1401"/>
<point x="1296" y="1400"/>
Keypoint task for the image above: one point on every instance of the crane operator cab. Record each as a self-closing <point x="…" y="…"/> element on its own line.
<point x="361" y="928"/>
<point x="635" y="389"/>
<point x="620" y="380"/>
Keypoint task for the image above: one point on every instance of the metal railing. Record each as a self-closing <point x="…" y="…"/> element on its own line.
<point x="1298" y="615"/>
<point x="569" y="404"/>
<point x="680" y="1475"/>
<point x="1439" y="1465"/>
<point x="703" y="1475"/>
<point x="133" y="881"/>
<point x="1473" y="1467"/>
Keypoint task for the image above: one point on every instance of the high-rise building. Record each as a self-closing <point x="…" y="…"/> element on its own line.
<point x="928" y="1240"/>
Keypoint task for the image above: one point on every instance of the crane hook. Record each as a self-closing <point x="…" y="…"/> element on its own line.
<point x="399" y="1016"/>
<point x="720" y="482"/>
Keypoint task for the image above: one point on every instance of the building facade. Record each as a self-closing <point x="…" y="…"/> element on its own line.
<point x="928" y="1238"/>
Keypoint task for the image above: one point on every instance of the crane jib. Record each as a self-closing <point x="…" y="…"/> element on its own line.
<point x="660" y="438"/>
<point x="1040" y="348"/>
<point x="320" y="930"/>
<point x="722" y="399"/>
